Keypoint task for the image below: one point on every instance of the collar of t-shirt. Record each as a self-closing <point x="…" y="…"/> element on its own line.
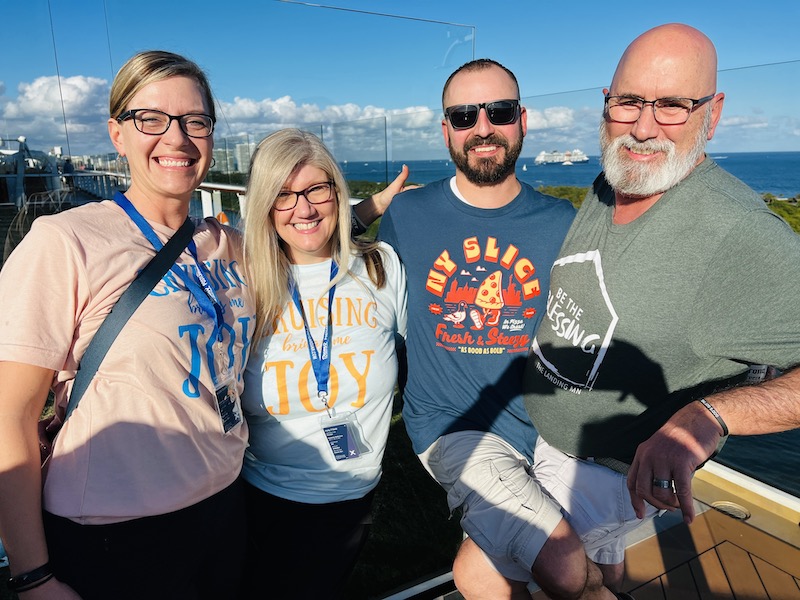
<point x="454" y="188"/>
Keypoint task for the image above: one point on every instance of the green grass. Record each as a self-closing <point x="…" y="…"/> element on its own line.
<point x="789" y="212"/>
<point x="571" y="193"/>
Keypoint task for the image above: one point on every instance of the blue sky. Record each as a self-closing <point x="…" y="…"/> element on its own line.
<point x="372" y="76"/>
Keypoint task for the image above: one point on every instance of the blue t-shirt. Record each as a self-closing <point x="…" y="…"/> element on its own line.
<point x="477" y="286"/>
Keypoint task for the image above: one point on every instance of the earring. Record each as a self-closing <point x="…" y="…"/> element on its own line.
<point x="213" y="162"/>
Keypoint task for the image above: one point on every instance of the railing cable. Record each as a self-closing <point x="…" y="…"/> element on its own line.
<point x="58" y="77"/>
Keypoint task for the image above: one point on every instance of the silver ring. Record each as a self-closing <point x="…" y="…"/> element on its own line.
<point x="664" y="484"/>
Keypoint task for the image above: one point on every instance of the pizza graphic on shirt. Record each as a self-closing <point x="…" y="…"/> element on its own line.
<point x="490" y="298"/>
<point x="485" y="305"/>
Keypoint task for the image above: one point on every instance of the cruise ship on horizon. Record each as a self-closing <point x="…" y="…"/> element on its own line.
<point x="570" y="157"/>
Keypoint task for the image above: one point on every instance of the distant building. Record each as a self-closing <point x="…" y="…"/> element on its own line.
<point x="101" y="162"/>
<point x="224" y="160"/>
<point x="243" y="153"/>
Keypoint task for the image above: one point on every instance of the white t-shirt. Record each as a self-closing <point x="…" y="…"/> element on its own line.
<point x="290" y="455"/>
<point x="146" y="437"/>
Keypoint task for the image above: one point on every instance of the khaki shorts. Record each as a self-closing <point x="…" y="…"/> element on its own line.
<point x="510" y="508"/>
<point x="594" y="500"/>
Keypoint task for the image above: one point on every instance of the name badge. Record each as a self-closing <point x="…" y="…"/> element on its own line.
<point x="344" y="436"/>
<point x="229" y="406"/>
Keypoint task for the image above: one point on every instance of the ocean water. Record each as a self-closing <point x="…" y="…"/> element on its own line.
<point x="775" y="458"/>
<point x="777" y="173"/>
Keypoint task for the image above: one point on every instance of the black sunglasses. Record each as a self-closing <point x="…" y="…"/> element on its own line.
<point x="499" y="112"/>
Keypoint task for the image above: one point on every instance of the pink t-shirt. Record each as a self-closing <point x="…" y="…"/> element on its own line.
<point x="146" y="438"/>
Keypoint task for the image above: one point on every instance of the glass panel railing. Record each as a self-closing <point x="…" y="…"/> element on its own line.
<point x="361" y="147"/>
<point x="416" y="140"/>
<point x="561" y="145"/>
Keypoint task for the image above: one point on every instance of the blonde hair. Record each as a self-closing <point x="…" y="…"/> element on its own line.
<point x="276" y="158"/>
<point x="150" y="66"/>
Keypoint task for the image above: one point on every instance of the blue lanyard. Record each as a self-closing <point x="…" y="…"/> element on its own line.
<point x="320" y="359"/>
<point x="206" y="298"/>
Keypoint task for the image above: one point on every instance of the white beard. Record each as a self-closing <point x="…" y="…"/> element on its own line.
<point x="643" y="180"/>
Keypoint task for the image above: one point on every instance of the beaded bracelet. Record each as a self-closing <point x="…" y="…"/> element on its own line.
<point x="31" y="579"/>
<point x="716" y="415"/>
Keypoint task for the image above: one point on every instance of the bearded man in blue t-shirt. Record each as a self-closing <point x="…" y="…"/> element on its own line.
<point x="478" y="248"/>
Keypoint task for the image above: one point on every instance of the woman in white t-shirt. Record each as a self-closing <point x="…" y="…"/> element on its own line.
<point x="140" y="498"/>
<point x="321" y="375"/>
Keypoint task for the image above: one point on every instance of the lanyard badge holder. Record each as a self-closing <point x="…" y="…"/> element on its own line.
<point x="227" y="400"/>
<point x="229" y="405"/>
<point x="226" y="394"/>
<point x="342" y="430"/>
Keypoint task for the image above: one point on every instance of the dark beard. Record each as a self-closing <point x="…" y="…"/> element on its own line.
<point x="487" y="171"/>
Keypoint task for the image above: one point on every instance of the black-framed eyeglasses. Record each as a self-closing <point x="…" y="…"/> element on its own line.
<point x="156" y="122"/>
<point x="319" y="193"/>
<point x="666" y="111"/>
<point x="499" y="112"/>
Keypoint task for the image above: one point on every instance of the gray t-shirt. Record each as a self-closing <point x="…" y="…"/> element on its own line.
<point x="645" y="317"/>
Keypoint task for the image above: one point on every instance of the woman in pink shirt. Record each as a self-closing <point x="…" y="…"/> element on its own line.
<point x="140" y="497"/>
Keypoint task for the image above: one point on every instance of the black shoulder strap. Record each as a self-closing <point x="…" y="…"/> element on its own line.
<point x="127" y="304"/>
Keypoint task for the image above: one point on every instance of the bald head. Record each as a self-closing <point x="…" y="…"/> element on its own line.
<point x="669" y="60"/>
<point x="675" y="65"/>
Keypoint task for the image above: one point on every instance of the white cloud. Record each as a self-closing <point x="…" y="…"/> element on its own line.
<point x="36" y="112"/>
<point x="551" y="117"/>
<point x="744" y="122"/>
<point x="82" y="97"/>
<point x="245" y="113"/>
<point x="352" y="131"/>
<point x="416" y="117"/>
<point x="757" y="133"/>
